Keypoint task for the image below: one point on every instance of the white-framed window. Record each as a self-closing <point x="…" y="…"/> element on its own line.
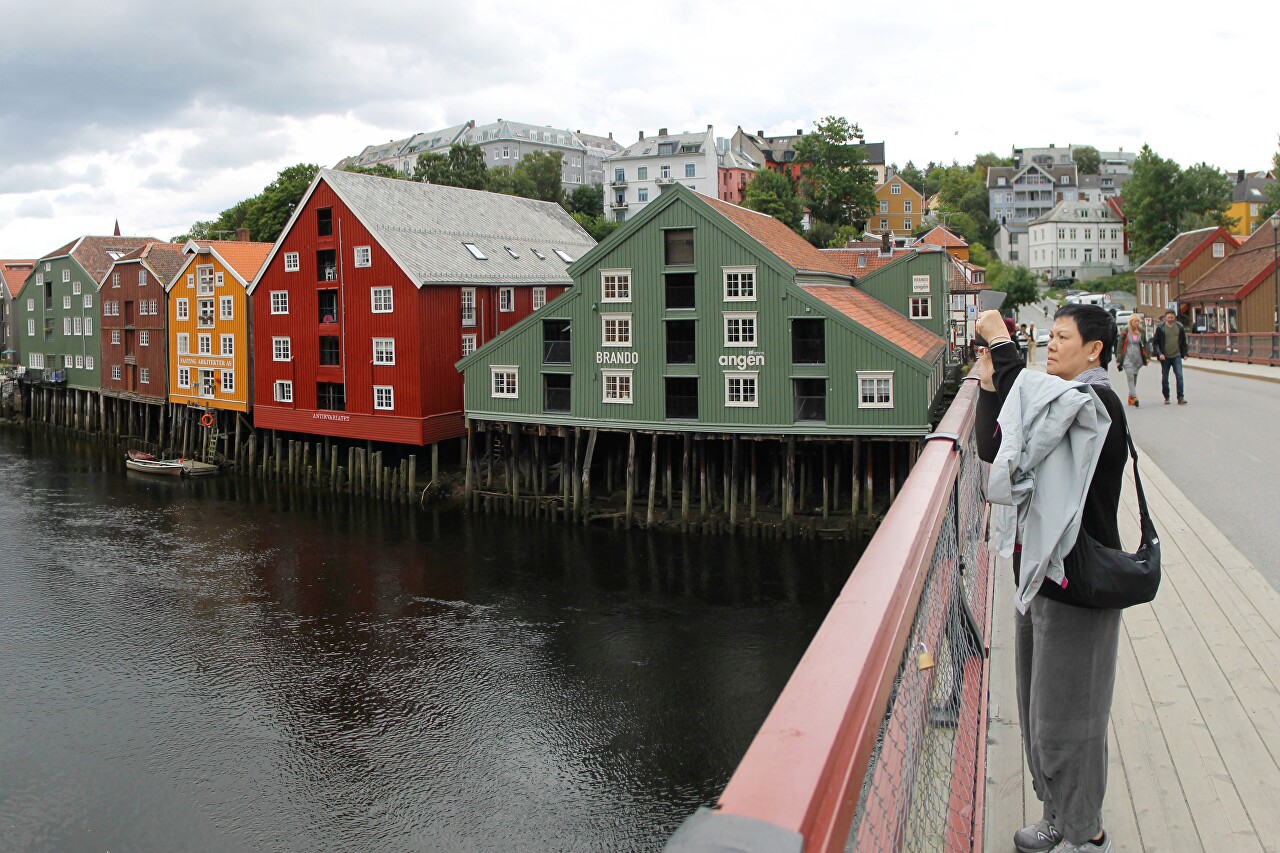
<point x="895" y="188"/>
<point x="66" y="275"/>
<point x="384" y="397"/>
<point x="506" y="299"/>
<point x="281" y="349"/>
<point x="227" y="344"/>
<point x="88" y="300"/>
<point x="88" y="326"/>
<point x="182" y="309"/>
<point x="115" y="336"/>
<point x="875" y="389"/>
<point x="642" y="173"/>
<point x="31" y="305"/>
<point x="740" y="390"/>
<point x="79" y="362"/>
<point x="615" y="330"/>
<point x="66" y="302"/>
<point x="468" y="296"/>
<point x="217" y="279"/>
<point x="31" y="328"/>
<point x="155" y="307"/>
<point x="1062" y="233"/>
<point x="291" y="262"/>
<point x="36" y="360"/>
<point x="884" y="205"/>
<point x="204" y="313"/>
<point x="504" y="380"/>
<point x="615" y="285"/>
<point x="617" y="386"/>
<point x="144" y="338"/>
<point x="539" y="297"/>
<point x="226" y="307"/>
<point x="740" y="329"/>
<point x="382" y="300"/>
<point x="642" y="194"/>
<point x="77" y="325"/>
<point x="884" y="224"/>
<point x="690" y="170"/>
<point x="906" y="224"/>
<point x="115" y="372"/>
<point x="279" y="302"/>
<point x="384" y="350"/>
<point x="664" y="172"/>
<point x="184" y="343"/>
<point x="204" y="344"/>
<point x="144" y="375"/>
<point x="228" y="382"/>
<point x="204" y="280"/>
<point x="739" y="284"/>
<point x="191" y="281"/>
<point x="1219" y="249"/>
<point x="921" y="308"/>
<point x="283" y="391"/>
<point x="88" y="362"/>
<point x="142" y="278"/>
<point x="115" y="279"/>
<point x="1063" y="180"/>
<point x="906" y="206"/>
<point x="66" y="326"/>
<point x="468" y="345"/>
<point x="1115" y="253"/>
<point x="363" y="256"/>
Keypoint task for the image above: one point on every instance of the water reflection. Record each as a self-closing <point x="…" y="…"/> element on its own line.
<point x="227" y="665"/>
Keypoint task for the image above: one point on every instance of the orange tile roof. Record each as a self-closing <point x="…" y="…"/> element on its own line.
<point x="873" y="260"/>
<point x="943" y="236"/>
<point x="793" y="249"/>
<point x="246" y="258"/>
<point x="14" y="273"/>
<point x="871" y="313"/>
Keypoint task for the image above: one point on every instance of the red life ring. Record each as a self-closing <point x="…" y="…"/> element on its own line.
<point x="206" y="419"/>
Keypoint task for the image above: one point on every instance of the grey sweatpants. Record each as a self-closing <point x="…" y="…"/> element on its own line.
<point x="1131" y="373"/>
<point x="1066" y="659"/>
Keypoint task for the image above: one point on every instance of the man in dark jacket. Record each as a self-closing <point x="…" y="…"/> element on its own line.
<point x="1170" y="345"/>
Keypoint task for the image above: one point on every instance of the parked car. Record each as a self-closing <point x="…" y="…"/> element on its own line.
<point x="1042" y="337"/>
<point x="1075" y="291"/>
<point x="1122" y="317"/>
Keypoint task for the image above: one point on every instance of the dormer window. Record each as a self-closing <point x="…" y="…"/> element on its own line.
<point x="475" y="252"/>
<point x="1063" y="180"/>
<point x="1219" y="249"/>
<point x="1000" y="182"/>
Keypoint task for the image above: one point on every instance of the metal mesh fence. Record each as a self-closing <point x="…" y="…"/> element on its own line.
<point x="920" y="789"/>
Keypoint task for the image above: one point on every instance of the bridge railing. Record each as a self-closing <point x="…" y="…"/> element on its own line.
<point x="1250" y="348"/>
<point x="877" y="742"/>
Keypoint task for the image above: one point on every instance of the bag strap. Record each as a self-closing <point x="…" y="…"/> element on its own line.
<point x="1137" y="480"/>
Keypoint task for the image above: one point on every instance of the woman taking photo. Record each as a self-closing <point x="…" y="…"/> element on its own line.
<point x="1066" y="653"/>
<point x="1133" y="354"/>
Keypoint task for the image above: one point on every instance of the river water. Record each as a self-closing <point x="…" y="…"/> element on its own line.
<point x="226" y="665"/>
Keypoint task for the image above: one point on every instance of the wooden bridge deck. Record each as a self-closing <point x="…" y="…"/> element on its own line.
<point x="1195" y="725"/>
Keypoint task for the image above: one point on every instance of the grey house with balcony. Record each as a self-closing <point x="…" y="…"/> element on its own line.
<point x="636" y="175"/>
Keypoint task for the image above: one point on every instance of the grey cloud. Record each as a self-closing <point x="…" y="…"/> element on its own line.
<point x="32" y="178"/>
<point x="36" y="207"/>
<point x="164" y="181"/>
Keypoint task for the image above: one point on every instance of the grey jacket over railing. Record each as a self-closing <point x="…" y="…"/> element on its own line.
<point x="1051" y="437"/>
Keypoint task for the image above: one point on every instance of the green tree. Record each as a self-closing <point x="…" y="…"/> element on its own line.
<point x="1206" y="198"/>
<point x="544" y="171"/>
<point x="912" y="175"/>
<point x="432" y="167"/>
<point x="467" y="166"/>
<point x="989" y="159"/>
<point x="962" y="190"/>
<point x="381" y="170"/>
<point x="1153" y="201"/>
<point x="597" y="226"/>
<point x="821" y="234"/>
<point x="587" y="199"/>
<point x="775" y="194"/>
<point x="1087" y="159"/>
<point x="271" y="209"/>
<point x="1272" y="204"/>
<point x="510" y="181"/>
<point x="843" y="235"/>
<point x="1017" y="283"/>
<point x="834" y="182"/>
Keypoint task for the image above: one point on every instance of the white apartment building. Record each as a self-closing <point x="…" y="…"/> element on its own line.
<point x="635" y="175"/>
<point x="1082" y="240"/>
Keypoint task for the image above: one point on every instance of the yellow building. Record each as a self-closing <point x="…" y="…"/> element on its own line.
<point x="1247" y="198"/>
<point x="900" y="207"/>
<point x="209" y="324"/>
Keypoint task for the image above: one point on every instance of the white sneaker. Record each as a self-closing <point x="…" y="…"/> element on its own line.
<point x="1103" y="846"/>
<point x="1039" y="837"/>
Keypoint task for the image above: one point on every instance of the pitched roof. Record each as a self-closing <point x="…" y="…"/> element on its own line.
<point x="1240" y="272"/>
<point x="424" y="228"/>
<point x="942" y="236"/>
<point x="867" y="311"/>
<point x="1252" y="189"/>
<point x="1179" y="250"/>
<point x="648" y="147"/>
<point x="164" y="260"/>
<point x="245" y="258"/>
<point x="789" y="246"/>
<point x="860" y="260"/>
<point x="14" y="272"/>
<point x="97" y="254"/>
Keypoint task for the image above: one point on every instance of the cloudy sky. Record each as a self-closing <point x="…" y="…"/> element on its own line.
<point x="162" y="113"/>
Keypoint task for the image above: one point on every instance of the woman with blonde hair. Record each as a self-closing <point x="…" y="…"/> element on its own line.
<point x="1133" y="354"/>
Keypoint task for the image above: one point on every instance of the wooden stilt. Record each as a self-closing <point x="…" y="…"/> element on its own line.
<point x="666" y="474"/>
<point x="733" y="483"/>
<point x="435" y="462"/>
<point x="586" y="474"/>
<point x="566" y="470"/>
<point x="826" y="491"/>
<point x="513" y="465"/>
<point x="753" y="479"/>
<point x="653" y="479"/>
<point x="685" y="485"/>
<point x="868" y="488"/>
<point x="577" y="472"/>
<point x="893" y="470"/>
<point x="855" y="482"/>
<point x="788" y="487"/>
<point x="466" y="456"/>
<point x="631" y="474"/>
<point x="701" y="451"/>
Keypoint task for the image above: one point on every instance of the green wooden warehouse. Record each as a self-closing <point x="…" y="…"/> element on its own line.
<point x="754" y="380"/>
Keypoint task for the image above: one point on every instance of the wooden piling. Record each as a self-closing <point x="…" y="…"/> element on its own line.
<point x="586" y="474"/>
<point x="631" y="474"/>
<point x="653" y="479"/>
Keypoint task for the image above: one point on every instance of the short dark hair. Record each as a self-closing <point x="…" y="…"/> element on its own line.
<point x="1169" y="311"/>
<point x="1094" y="323"/>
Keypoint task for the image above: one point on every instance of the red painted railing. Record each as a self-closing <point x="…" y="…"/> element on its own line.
<point x="1251" y="348"/>
<point x="867" y="748"/>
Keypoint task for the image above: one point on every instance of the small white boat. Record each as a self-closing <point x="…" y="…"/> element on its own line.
<point x="136" y="460"/>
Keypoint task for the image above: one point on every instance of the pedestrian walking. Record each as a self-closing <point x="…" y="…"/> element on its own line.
<point x="1067" y="429"/>
<point x="1169" y="342"/>
<point x="1133" y="355"/>
<point x="1031" y="344"/>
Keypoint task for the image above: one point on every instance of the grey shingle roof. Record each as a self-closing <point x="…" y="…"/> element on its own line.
<point x="1252" y="189"/>
<point x="424" y="227"/>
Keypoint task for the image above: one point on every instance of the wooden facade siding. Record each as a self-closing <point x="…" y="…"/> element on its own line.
<point x="129" y="355"/>
<point x="639" y="248"/>
<point x="893" y="285"/>
<point x="56" y="346"/>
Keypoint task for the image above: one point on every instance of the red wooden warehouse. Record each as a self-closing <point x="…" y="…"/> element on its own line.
<point x="378" y="286"/>
<point x="132" y="299"/>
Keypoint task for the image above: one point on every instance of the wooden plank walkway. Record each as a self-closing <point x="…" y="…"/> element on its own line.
<point x="1195" y="725"/>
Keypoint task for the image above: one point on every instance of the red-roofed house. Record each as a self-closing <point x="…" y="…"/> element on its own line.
<point x="12" y="274"/>
<point x="953" y="243"/>
<point x="1239" y="293"/>
<point x="1178" y="266"/>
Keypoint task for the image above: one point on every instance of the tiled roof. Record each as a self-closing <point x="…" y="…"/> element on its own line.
<point x="1251" y="189"/>
<point x="164" y="259"/>
<point x="793" y="249"/>
<point x="944" y="237"/>
<point x="1176" y="251"/>
<point x="424" y="227"/>
<point x="97" y="254"/>
<point x="867" y="311"/>
<point x="14" y="273"/>
<point x="648" y="147"/>
<point x="245" y="257"/>
<point x="1232" y="278"/>
<point x="860" y="261"/>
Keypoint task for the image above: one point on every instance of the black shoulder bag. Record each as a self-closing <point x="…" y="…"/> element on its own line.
<point x="1098" y="576"/>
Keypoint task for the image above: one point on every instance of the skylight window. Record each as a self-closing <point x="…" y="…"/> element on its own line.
<point x="538" y="255"/>
<point x="563" y="256"/>
<point x="475" y="252"/>
<point x="511" y="252"/>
